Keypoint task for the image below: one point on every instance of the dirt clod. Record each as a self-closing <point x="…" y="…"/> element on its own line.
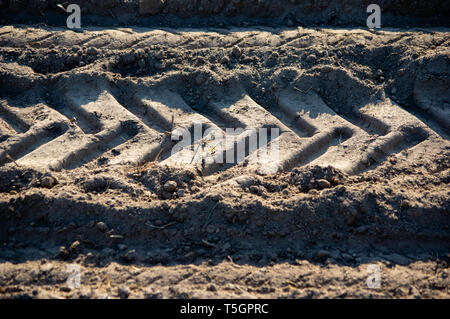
<point x="123" y="292"/>
<point x="236" y="51"/>
<point x="170" y="186"/>
<point x="102" y="226"/>
<point x="323" y="183"/>
<point x="48" y="182"/>
<point x="150" y="6"/>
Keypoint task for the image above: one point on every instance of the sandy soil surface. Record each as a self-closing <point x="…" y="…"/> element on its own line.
<point x="88" y="177"/>
<point x="227" y="279"/>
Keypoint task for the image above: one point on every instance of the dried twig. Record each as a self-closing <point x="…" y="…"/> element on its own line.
<point x="160" y="227"/>
<point x="210" y="214"/>
<point x="304" y="92"/>
<point x="12" y="159"/>
<point x="195" y="153"/>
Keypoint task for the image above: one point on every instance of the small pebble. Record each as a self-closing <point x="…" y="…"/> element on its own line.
<point x="216" y="197"/>
<point x="123" y="292"/>
<point x="102" y="226"/>
<point x="225" y="60"/>
<point x="236" y="51"/>
<point x="211" y="288"/>
<point x="92" y="51"/>
<point x="151" y="7"/>
<point x="170" y="186"/>
<point x="181" y="192"/>
<point x="48" y="182"/>
<point x="323" y="183"/>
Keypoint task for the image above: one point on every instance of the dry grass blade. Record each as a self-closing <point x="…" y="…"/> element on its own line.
<point x="12" y="159"/>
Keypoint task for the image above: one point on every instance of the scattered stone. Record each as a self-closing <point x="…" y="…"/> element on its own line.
<point x="102" y="226"/>
<point x="74" y="246"/>
<point x="236" y="51"/>
<point x="183" y="295"/>
<point x="216" y="197"/>
<point x="90" y="258"/>
<point x="181" y="192"/>
<point x="92" y="51"/>
<point x="65" y="289"/>
<point x="170" y="186"/>
<point x="48" y="181"/>
<point x="254" y="189"/>
<point x="211" y="288"/>
<point x="244" y="181"/>
<point x="311" y="59"/>
<point x="151" y="7"/>
<point x="225" y="60"/>
<point x="323" y="183"/>
<point x="123" y="292"/>
<point x="152" y="295"/>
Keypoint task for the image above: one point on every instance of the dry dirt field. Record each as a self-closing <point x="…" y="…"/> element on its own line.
<point x="88" y="175"/>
